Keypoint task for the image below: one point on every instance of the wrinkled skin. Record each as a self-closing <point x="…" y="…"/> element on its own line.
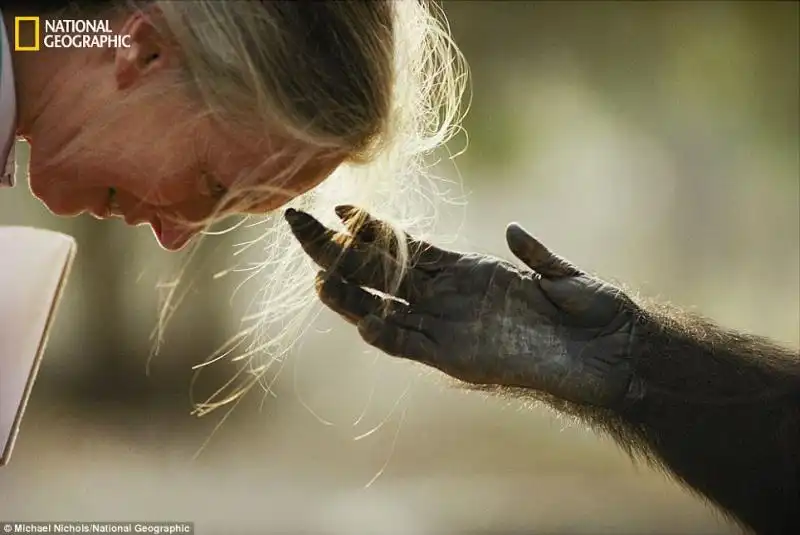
<point x="480" y="319"/>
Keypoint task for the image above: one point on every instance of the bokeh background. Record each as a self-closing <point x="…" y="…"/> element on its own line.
<point x="653" y="143"/>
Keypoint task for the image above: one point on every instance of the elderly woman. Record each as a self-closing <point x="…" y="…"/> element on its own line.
<point x="218" y="108"/>
<point x="224" y="107"/>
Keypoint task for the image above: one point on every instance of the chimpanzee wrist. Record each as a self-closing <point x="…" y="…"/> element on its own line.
<point x="637" y="390"/>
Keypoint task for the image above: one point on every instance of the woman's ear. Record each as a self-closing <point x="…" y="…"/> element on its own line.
<point x="148" y="52"/>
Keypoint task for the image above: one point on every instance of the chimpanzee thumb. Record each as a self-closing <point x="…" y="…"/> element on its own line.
<point x="538" y="257"/>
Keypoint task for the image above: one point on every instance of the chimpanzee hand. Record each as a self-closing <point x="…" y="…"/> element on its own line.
<point x="477" y="318"/>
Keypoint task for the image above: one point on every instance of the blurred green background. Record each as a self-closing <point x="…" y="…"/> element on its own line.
<point x="653" y="143"/>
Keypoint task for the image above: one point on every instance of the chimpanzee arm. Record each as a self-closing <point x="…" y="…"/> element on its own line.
<point x="721" y="411"/>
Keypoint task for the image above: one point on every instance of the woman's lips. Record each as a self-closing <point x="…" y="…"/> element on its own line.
<point x="171" y="237"/>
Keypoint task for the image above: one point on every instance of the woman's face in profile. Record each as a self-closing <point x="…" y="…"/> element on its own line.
<point x="165" y="181"/>
<point x="152" y="160"/>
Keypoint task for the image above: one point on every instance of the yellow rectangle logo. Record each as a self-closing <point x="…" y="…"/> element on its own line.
<point x="26" y="46"/>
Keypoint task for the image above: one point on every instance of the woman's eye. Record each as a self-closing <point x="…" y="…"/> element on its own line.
<point x="217" y="189"/>
<point x="214" y="188"/>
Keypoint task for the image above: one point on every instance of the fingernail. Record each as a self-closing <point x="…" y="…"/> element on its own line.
<point x="515" y="231"/>
<point x="294" y="217"/>
<point x="346" y="211"/>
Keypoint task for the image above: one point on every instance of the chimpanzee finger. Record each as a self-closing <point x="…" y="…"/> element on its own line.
<point x="406" y="335"/>
<point x="538" y="257"/>
<point x="338" y="252"/>
<point x="323" y="245"/>
<point x="361" y="224"/>
<point x="348" y="300"/>
<point x="369" y="230"/>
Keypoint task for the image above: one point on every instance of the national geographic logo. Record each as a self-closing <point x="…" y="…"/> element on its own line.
<point x="27" y="37"/>
<point x="30" y="35"/>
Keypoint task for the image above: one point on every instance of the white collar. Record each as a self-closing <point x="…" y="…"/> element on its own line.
<point x="8" y="111"/>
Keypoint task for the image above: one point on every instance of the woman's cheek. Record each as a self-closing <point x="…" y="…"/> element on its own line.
<point x="159" y="184"/>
